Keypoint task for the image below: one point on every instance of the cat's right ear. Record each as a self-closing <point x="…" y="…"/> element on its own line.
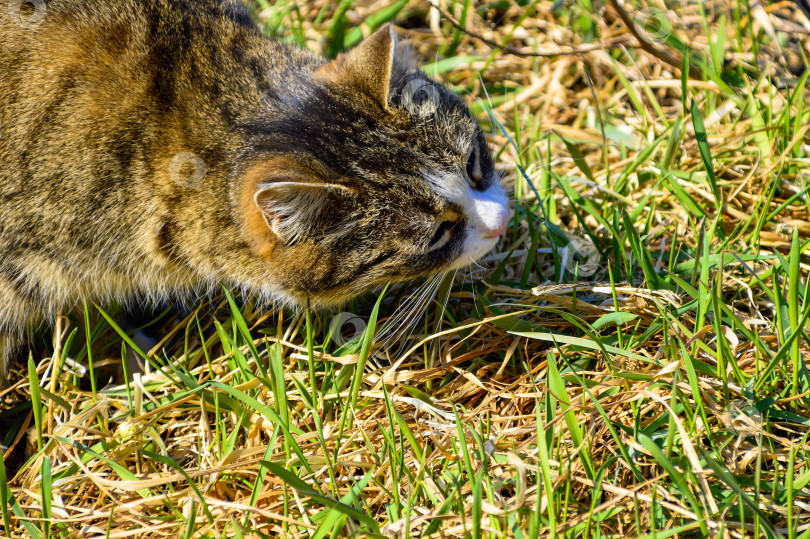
<point x="297" y="210"/>
<point x="368" y="66"/>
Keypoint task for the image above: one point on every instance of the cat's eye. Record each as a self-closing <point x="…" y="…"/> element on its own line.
<point x="442" y="235"/>
<point x="475" y="169"/>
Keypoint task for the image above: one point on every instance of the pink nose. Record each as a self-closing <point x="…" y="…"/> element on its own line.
<point x="495" y="232"/>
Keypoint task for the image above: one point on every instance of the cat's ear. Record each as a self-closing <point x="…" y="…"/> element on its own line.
<point x="296" y="210"/>
<point x="369" y="65"/>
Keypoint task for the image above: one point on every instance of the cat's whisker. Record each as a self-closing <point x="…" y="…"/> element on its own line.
<point x="402" y="308"/>
<point x="418" y="305"/>
<point x="489" y="117"/>
<point x="444" y="305"/>
<point x="484" y="87"/>
<point x="474" y="293"/>
<point x="474" y="262"/>
<point x="393" y="325"/>
<point x="424" y="300"/>
<point x="490" y="113"/>
<point x="472" y="282"/>
<point x="427" y="298"/>
<point x="500" y="176"/>
<point x="392" y="331"/>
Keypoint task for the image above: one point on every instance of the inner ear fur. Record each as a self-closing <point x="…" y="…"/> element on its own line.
<point x="282" y="200"/>
<point x="295" y="210"/>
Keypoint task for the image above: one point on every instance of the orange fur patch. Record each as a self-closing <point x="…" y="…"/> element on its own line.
<point x="263" y="241"/>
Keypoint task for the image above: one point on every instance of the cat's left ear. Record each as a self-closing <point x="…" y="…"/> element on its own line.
<point x="369" y="65"/>
<point x="295" y="210"/>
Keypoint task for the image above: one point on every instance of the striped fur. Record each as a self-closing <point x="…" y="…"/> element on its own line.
<point x="138" y="140"/>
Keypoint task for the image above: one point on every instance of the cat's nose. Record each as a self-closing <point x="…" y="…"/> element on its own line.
<point x="492" y="234"/>
<point x="488" y="213"/>
<point x="499" y="225"/>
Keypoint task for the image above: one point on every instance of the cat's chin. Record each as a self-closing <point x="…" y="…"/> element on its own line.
<point x="473" y="250"/>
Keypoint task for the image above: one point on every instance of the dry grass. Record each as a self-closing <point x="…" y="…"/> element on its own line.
<point x="656" y="387"/>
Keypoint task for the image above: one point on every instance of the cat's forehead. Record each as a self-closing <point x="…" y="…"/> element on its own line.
<point x="425" y="133"/>
<point x="452" y="187"/>
<point x="432" y="106"/>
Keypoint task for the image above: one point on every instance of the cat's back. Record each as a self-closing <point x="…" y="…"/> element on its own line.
<point x="96" y="98"/>
<point x="93" y="91"/>
<point x="63" y="45"/>
<point x="22" y="20"/>
<point x="83" y="67"/>
<point x="89" y="90"/>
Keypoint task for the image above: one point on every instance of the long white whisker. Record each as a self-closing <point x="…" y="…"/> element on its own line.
<point x="472" y="285"/>
<point x="440" y="318"/>
<point x="414" y="312"/>
<point x="403" y="309"/>
<point x="487" y="112"/>
<point x="399" y="312"/>
<point x="393" y="326"/>
<point x="475" y="263"/>
<point x="411" y="325"/>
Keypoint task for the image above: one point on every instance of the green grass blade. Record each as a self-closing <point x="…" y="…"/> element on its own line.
<point x="36" y="400"/>
<point x="677" y="477"/>
<point x="705" y="153"/>
<point x="557" y="386"/>
<point x="46" y="491"/>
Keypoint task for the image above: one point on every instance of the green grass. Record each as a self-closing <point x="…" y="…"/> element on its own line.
<point x="630" y="361"/>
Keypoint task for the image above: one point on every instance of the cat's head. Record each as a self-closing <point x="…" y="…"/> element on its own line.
<point x="373" y="173"/>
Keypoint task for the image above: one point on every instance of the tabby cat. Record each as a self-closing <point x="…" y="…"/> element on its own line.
<point x="161" y="149"/>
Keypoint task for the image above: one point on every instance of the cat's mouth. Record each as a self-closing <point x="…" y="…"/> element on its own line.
<point x="474" y="249"/>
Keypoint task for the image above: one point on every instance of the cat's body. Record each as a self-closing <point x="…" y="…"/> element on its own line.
<point x="150" y="149"/>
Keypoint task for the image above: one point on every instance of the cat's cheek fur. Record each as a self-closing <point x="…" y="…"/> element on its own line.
<point x="258" y="233"/>
<point x="487" y="216"/>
